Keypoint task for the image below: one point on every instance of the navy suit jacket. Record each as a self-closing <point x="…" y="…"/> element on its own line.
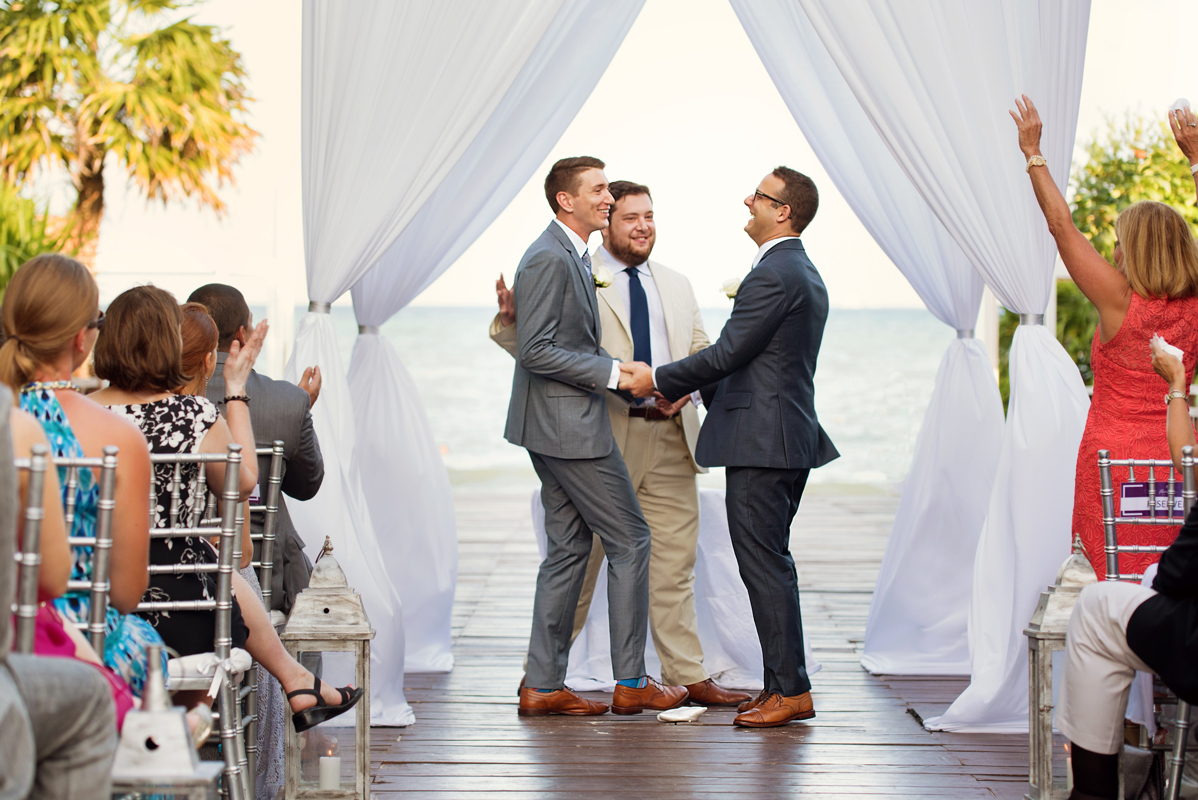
<point x="762" y="410"/>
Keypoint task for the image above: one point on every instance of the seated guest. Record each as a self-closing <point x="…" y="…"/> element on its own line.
<point x="1118" y="628"/>
<point x="57" y="737"/>
<point x="51" y="318"/>
<point x="1152" y="287"/>
<point x="139" y="353"/>
<point x="280" y="410"/>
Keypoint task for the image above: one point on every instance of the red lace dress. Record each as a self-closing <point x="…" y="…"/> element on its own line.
<point x="1127" y="417"/>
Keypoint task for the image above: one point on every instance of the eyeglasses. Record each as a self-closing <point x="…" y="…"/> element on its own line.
<point x="758" y="193"/>
<point x="98" y="322"/>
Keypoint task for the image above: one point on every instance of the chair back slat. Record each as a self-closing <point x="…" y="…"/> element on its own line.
<point x="1110" y="521"/>
<point x="31" y="555"/>
<point x="101" y="588"/>
<point x="270" y="516"/>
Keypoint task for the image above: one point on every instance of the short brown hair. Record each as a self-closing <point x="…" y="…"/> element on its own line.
<point x="49" y="299"/>
<point x="199" y="337"/>
<point x="620" y="189"/>
<point x="800" y="194"/>
<point x="1160" y="258"/>
<point x="140" y="348"/>
<point x="564" y="176"/>
<point x="227" y="307"/>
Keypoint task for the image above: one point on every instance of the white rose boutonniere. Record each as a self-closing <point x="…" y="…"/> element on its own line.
<point x="730" y="287"/>
<point x="602" y="276"/>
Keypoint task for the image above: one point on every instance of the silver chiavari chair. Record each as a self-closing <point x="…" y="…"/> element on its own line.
<point x="237" y="783"/>
<point x="98" y="585"/>
<point x="1181" y="722"/>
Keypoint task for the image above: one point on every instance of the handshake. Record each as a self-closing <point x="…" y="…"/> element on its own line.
<point x="637" y="377"/>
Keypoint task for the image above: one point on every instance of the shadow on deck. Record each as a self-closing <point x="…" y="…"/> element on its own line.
<point x="865" y="742"/>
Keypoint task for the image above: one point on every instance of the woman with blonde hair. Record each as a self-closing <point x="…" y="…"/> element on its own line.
<point x="1152" y="288"/>
<point x="51" y="318"/>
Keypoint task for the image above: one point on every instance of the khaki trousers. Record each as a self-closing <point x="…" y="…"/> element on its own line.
<point x="663" y="475"/>
<point x="1099" y="666"/>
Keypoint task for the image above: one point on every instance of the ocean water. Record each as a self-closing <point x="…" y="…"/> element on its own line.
<point x="872" y="388"/>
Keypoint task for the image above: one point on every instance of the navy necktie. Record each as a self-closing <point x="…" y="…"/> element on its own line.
<point x="586" y="259"/>
<point x="638" y="318"/>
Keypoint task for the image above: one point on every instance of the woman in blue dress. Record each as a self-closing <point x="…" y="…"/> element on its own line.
<point x="51" y="319"/>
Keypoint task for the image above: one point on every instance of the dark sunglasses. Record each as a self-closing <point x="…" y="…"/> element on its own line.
<point x="98" y="322"/>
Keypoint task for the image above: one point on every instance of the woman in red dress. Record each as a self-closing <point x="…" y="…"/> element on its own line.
<point x="1152" y="288"/>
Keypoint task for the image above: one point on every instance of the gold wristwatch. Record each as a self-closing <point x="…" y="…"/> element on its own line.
<point x="1035" y="161"/>
<point x="1178" y="394"/>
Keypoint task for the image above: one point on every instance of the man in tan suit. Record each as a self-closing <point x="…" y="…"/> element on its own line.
<point x="649" y="313"/>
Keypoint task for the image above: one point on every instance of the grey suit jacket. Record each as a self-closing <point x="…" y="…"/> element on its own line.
<point x="558" y="407"/>
<point x="279" y="410"/>
<point x="762" y="413"/>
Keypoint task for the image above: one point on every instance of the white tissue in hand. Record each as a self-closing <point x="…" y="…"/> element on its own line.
<point x="1180" y="104"/>
<point x="682" y="714"/>
<point x="1168" y="348"/>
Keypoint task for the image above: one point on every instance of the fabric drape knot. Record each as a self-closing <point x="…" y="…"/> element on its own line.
<point x="317" y="307"/>
<point x="964" y="333"/>
<point x="1031" y="319"/>
<point x="373" y="330"/>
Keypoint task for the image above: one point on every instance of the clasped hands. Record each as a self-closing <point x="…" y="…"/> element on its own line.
<point x="637" y="377"/>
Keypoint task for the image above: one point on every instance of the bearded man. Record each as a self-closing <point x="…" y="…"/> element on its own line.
<point x="649" y="313"/>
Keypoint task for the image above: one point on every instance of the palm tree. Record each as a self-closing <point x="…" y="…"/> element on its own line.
<point x="81" y="80"/>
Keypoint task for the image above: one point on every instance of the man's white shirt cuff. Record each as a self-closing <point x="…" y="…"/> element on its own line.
<point x="697" y="399"/>
<point x="614" y="381"/>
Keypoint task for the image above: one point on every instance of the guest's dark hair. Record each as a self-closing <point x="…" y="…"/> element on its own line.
<point x="140" y="348"/>
<point x="800" y="194"/>
<point x="621" y="189"/>
<point x="49" y="299"/>
<point x="564" y="176"/>
<point x="199" y="337"/>
<point x="227" y="307"/>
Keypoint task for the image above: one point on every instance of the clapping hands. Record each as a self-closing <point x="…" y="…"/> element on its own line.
<point x="1185" y="130"/>
<point x="1029" y="125"/>
<point x="242" y="357"/>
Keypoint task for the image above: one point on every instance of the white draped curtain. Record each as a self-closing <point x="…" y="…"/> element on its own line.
<point x="395" y="99"/>
<point x="936" y="78"/>
<point x="406" y="487"/>
<point x="917" y="620"/>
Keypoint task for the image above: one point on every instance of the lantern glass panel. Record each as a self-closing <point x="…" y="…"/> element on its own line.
<point x="328" y="752"/>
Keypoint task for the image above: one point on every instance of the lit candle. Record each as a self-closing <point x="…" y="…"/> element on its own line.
<point x="1068" y="768"/>
<point x="330" y="772"/>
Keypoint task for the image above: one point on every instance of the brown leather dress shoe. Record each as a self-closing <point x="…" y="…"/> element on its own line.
<point x="775" y="710"/>
<point x="653" y="697"/>
<point x="563" y="701"/>
<point x="710" y="693"/>
<point x="756" y="701"/>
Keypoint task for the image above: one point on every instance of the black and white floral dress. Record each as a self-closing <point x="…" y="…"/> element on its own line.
<point x="178" y="424"/>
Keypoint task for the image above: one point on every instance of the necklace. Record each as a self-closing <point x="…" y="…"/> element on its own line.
<point x="39" y="386"/>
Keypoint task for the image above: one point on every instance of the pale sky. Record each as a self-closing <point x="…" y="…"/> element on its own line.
<point x="685" y="107"/>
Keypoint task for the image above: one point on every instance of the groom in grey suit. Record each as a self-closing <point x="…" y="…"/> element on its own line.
<point x="757" y="382"/>
<point x="558" y="413"/>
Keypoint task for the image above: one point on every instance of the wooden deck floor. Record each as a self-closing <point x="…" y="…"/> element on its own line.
<point x="865" y="742"/>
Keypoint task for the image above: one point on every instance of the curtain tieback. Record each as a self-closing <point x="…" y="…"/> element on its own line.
<point x="964" y="333"/>
<point x="371" y="329"/>
<point x="1031" y="319"/>
<point x="316" y="307"/>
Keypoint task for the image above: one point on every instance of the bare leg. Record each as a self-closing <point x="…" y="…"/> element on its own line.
<point x="263" y="644"/>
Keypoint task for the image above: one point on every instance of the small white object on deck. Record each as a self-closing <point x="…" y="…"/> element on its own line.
<point x="683" y="714"/>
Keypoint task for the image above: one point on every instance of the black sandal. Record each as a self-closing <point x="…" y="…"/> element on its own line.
<point x="310" y="717"/>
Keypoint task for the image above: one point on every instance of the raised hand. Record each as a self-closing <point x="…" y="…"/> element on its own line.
<point x="1029" y="125"/>
<point x="242" y="357"/>
<point x="636" y="377"/>
<point x="1185" y="130"/>
<point x="507" y="307"/>
<point x="1169" y="367"/>
<point x="310" y="382"/>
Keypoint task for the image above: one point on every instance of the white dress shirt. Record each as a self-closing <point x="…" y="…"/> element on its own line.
<point x="580" y="246"/>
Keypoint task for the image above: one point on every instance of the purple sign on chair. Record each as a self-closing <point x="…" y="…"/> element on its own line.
<point x="1133" y="500"/>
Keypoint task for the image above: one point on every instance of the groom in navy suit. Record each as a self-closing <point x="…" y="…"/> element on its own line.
<point x="757" y="382"/>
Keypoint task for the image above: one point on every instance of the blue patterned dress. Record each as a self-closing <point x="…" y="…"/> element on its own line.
<point x="126" y="635"/>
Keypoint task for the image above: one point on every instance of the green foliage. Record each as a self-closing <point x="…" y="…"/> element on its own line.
<point x="1131" y="160"/>
<point x="80" y="79"/>
<point x="25" y="231"/>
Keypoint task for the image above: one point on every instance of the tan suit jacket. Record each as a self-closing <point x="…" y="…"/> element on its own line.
<point x="684" y="324"/>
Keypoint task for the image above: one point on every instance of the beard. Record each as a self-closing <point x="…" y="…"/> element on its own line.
<point x="625" y="253"/>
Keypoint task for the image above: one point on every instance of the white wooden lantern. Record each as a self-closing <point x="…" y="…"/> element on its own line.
<point x="156" y="756"/>
<point x="1046" y="635"/>
<point x="328" y="631"/>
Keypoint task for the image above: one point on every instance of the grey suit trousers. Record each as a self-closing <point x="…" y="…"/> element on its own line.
<point x="582" y="496"/>
<point x="71" y="719"/>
